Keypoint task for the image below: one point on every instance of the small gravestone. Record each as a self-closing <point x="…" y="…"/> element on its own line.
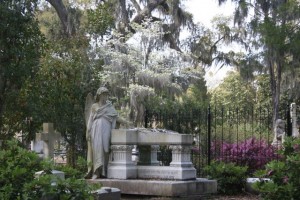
<point x="107" y="193"/>
<point x="251" y="181"/>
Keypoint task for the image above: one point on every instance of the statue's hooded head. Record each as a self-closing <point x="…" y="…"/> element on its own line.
<point x="100" y="91"/>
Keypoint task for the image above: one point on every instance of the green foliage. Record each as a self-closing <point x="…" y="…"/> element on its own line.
<point x="17" y="181"/>
<point x="233" y="92"/>
<point x="274" y="34"/>
<point x="101" y="19"/>
<point x="230" y="177"/>
<point x="74" y="172"/>
<point x="49" y="23"/>
<point x="18" y="167"/>
<point x="263" y="93"/>
<point x="146" y="68"/>
<point x="284" y="174"/>
<point x="21" y="44"/>
<point x="58" y="92"/>
<point x="53" y="187"/>
<point x="54" y="26"/>
<point x="181" y="116"/>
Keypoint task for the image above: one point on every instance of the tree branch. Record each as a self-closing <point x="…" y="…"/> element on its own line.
<point x="63" y="15"/>
<point x="147" y="10"/>
<point x="136" y="5"/>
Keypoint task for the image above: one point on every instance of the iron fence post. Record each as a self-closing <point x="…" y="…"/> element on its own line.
<point x="146" y="118"/>
<point x="208" y="136"/>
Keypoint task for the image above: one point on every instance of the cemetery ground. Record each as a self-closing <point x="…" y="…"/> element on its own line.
<point x="244" y="196"/>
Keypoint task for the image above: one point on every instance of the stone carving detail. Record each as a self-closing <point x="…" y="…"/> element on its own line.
<point x="121" y="147"/>
<point x="121" y="153"/>
<point x="180" y="149"/>
<point x="181" y="155"/>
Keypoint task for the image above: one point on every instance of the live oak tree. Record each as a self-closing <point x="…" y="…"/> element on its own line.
<point x="126" y="12"/>
<point x="147" y="68"/>
<point x="273" y="45"/>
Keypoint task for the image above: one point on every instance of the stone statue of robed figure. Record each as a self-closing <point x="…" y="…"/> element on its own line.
<point x="101" y="118"/>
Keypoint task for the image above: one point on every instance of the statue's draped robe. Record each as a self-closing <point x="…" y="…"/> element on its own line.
<point x="102" y="121"/>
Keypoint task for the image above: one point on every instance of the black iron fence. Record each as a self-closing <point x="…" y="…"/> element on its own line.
<point x="237" y="135"/>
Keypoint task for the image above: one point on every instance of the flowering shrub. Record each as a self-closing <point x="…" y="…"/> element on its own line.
<point x="284" y="175"/>
<point x="230" y="177"/>
<point x="252" y="153"/>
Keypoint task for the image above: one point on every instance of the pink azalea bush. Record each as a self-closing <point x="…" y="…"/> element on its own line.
<point x="253" y="153"/>
<point x="284" y="174"/>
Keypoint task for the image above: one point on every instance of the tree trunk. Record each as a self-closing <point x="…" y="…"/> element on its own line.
<point x="122" y="17"/>
<point x="1" y="112"/>
<point x="64" y="16"/>
<point x="71" y="155"/>
<point x="152" y="4"/>
<point x="275" y="81"/>
<point x="2" y="99"/>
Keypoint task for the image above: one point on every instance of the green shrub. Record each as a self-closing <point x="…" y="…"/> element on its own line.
<point x="231" y="178"/>
<point x="284" y="175"/>
<point x="17" y="167"/>
<point x="51" y="186"/>
<point x="78" y="172"/>
<point x="17" y="181"/>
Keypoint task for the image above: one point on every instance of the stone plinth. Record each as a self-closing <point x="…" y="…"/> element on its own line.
<point x="198" y="186"/>
<point x="166" y="172"/>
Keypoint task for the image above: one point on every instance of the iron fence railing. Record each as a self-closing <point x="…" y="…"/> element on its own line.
<point x="219" y="133"/>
